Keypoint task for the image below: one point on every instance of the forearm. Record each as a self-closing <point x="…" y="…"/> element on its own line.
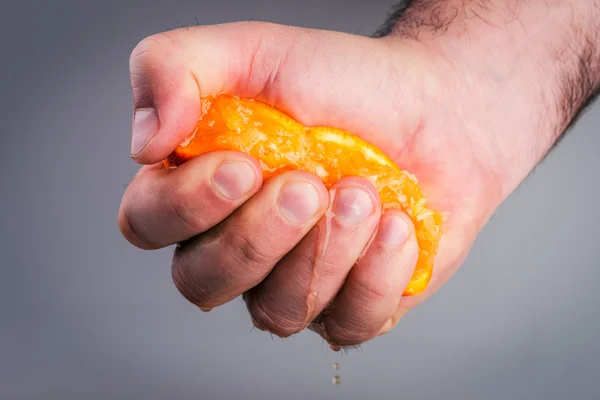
<point x="533" y="64"/>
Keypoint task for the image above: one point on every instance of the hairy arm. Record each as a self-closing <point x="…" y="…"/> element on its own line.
<point x="539" y="58"/>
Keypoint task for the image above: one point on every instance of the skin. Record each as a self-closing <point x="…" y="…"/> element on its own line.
<point x="467" y="95"/>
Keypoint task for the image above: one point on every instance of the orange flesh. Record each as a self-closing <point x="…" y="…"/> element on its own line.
<point x="280" y="144"/>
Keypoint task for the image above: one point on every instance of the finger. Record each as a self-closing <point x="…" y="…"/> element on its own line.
<point x="452" y="252"/>
<point x="375" y="285"/>
<point x="165" y="206"/>
<point x="450" y="256"/>
<point x="218" y="266"/>
<point x="309" y="276"/>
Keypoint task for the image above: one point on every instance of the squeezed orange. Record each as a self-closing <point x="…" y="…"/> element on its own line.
<point x="280" y="143"/>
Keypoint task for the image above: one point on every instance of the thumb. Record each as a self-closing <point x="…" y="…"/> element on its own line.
<point x="170" y="71"/>
<point x="317" y="77"/>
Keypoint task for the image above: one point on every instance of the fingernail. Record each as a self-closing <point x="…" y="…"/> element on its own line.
<point x="234" y="179"/>
<point x="352" y="205"/>
<point x="299" y="201"/>
<point x="393" y="230"/>
<point x="145" y="126"/>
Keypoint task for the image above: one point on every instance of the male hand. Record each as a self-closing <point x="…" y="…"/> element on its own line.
<point x="470" y="130"/>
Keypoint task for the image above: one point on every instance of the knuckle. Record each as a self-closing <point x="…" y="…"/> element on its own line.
<point x="147" y="66"/>
<point x="251" y="252"/>
<point x="131" y="225"/>
<point x="142" y="49"/>
<point x="348" y="335"/>
<point x="185" y="210"/>
<point x="272" y="319"/>
<point x="140" y="59"/>
<point x="376" y="291"/>
<point x="265" y="47"/>
<point x="185" y="284"/>
<point x="150" y="45"/>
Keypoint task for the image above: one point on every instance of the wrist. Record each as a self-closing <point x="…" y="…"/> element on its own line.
<point x="519" y="74"/>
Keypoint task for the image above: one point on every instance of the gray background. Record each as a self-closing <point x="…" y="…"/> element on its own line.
<point x="85" y="315"/>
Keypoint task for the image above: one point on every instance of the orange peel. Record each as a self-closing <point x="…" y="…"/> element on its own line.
<point x="280" y="143"/>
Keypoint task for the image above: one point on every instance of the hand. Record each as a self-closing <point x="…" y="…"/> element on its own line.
<point x="238" y="235"/>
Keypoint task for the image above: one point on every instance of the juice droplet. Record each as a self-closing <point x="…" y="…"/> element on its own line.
<point x="323" y="242"/>
<point x="336" y="366"/>
<point x="328" y="217"/>
<point x="337" y="380"/>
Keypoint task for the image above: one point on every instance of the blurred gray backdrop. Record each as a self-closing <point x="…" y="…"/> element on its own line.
<point x="85" y="315"/>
